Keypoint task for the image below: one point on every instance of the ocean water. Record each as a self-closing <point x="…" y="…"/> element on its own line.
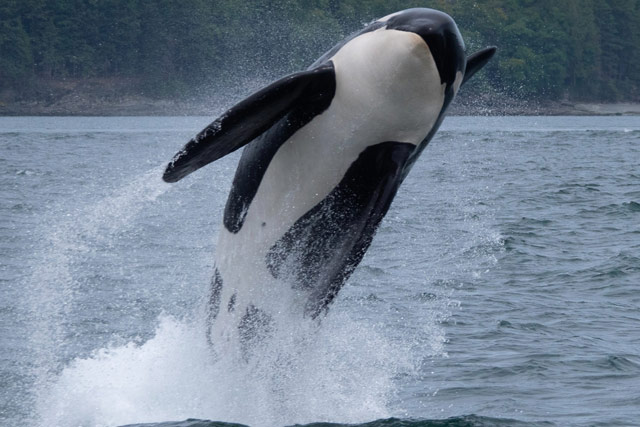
<point x="502" y="288"/>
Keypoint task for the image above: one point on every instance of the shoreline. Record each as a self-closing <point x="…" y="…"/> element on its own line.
<point x="121" y="97"/>
<point x="139" y="106"/>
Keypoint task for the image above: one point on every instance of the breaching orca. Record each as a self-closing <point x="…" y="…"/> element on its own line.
<point x="326" y="150"/>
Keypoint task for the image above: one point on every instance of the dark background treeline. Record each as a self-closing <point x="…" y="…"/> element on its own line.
<point x="549" y="49"/>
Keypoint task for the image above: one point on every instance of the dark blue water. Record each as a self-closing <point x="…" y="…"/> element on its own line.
<point x="503" y="287"/>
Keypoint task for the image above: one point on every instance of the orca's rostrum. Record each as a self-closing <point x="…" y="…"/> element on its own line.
<point x="325" y="152"/>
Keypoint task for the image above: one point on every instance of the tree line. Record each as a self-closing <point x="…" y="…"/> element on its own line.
<point x="548" y="49"/>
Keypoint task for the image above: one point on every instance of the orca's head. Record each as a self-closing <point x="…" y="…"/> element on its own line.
<point x="441" y="34"/>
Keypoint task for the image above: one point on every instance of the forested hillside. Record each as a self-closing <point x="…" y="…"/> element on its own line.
<point x="548" y="49"/>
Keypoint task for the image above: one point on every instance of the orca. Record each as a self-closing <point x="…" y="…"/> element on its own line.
<point x="325" y="150"/>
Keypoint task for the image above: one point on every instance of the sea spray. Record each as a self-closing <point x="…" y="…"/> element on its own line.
<point x="345" y="368"/>
<point x="343" y="371"/>
<point x="72" y="235"/>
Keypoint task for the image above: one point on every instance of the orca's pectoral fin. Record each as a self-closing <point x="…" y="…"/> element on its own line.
<point x="476" y="61"/>
<point x="248" y="120"/>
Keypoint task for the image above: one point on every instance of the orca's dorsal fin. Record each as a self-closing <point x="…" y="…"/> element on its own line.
<point x="476" y="61"/>
<point x="249" y="119"/>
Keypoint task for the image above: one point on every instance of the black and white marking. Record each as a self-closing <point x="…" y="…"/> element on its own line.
<point x="326" y="150"/>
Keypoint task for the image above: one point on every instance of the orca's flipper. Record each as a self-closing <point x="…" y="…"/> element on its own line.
<point x="250" y="118"/>
<point x="476" y="61"/>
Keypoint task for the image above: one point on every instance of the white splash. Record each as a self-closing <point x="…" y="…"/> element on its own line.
<point x="342" y="371"/>
<point x="51" y="288"/>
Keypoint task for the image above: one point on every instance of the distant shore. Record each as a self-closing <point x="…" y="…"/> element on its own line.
<point x="548" y="108"/>
<point x="151" y="107"/>
<point x="102" y="97"/>
<point x="138" y="106"/>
